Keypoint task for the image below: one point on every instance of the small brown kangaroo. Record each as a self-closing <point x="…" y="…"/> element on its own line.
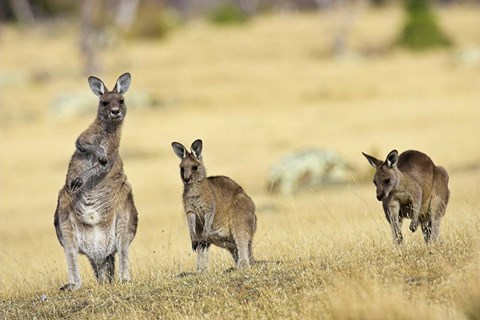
<point x="218" y="210"/>
<point x="411" y="186"/>
<point x="95" y="214"/>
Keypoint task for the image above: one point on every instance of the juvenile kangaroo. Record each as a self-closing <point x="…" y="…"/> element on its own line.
<point x="218" y="210"/>
<point x="411" y="186"/>
<point x="95" y="214"/>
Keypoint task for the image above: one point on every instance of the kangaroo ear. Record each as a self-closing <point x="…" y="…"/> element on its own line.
<point x="97" y="86"/>
<point x="179" y="150"/>
<point x="196" y="149"/>
<point x="123" y="83"/>
<point x="392" y="159"/>
<point x="374" y="162"/>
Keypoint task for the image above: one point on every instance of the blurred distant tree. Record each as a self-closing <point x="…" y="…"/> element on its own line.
<point x="206" y="7"/>
<point x="181" y="6"/>
<point x="5" y="11"/>
<point x="380" y="3"/>
<point x="23" y="11"/>
<point x="55" y="8"/>
<point x="88" y="45"/>
<point x="126" y="13"/>
<point x="227" y="13"/>
<point x="421" y="30"/>
<point x="153" y="21"/>
<point x="348" y="11"/>
<point x="248" y="6"/>
<point x="324" y="4"/>
<point x="123" y="13"/>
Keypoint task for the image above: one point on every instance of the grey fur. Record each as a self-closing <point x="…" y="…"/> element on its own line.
<point x="411" y="186"/>
<point x="218" y="210"/>
<point x="96" y="214"/>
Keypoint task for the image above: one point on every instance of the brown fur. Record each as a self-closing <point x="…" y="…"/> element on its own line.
<point x="411" y="186"/>
<point x="95" y="214"/>
<point x="218" y="210"/>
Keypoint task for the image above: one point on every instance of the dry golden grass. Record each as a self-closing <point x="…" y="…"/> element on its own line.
<point x="253" y="94"/>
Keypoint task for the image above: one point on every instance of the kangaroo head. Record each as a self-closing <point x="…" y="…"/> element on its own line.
<point x="386" y="177"/>
<point x="111" y="106"/>
<point x="191" y="165"/>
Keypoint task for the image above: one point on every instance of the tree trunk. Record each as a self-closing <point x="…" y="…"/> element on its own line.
<point x="22" y="11"/>
<point x="248" y="6"/>
<point x="88" y="38"/>
<point x="126" y="13"/>
<point x="347" y="12"/>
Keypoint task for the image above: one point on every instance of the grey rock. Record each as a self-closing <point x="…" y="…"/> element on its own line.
<point x="308" y="169"/>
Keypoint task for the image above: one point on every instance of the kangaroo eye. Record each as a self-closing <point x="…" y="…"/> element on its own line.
<point x="386" y="181"/>
<point x="195" y="168"/>
<point x="182" y="170"/>
<point x="121" y="101"/>
<point x="104" y="103"/>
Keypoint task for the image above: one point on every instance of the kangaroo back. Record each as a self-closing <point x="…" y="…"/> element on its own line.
<point x="418" y="166"/>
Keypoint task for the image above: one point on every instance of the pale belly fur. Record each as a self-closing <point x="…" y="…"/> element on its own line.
<point x="95" y="241"/>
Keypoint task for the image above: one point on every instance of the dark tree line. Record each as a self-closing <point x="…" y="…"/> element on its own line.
<point x="28" y="11"/>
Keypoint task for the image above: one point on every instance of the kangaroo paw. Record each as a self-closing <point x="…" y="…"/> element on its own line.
<point x="195" y="244"/>
<point x="413" y="226"/>
<point x="76" y="184"/>
<point x="203" y="245"/>
<point x="70" y="287"/>
<point x="102" y="160"/>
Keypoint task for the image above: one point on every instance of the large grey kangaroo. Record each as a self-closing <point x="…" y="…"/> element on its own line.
<point x="218" y="210"/>
<point x="95" y="214"/>
<point x="411" y="186"/>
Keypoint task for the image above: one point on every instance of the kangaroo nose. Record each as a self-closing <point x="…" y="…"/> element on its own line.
<point x="380" y="196"/>
<point x="115" y="111"/>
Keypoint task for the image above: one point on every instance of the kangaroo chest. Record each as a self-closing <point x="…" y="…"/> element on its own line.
<point x="203" y="203"/>
<point x="404" y="198"/>
<point x="93" y="208"/>
<point x="199" y="203"/>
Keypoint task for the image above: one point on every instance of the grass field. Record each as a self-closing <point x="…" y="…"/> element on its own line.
<point x="253" y="93"/>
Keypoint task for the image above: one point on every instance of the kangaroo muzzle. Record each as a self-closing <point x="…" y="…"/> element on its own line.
<point x="381" y="196"/>
<point x="115" y="113"/>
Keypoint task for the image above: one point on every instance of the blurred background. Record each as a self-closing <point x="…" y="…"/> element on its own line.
<point x="285" y="95"/>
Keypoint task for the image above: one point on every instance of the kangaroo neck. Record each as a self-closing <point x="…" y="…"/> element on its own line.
<point x="194" y="187"/>
<point x="400" y="174"/>
<point x="111" y="128"/>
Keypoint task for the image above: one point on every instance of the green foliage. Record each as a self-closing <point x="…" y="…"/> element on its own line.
<point x="421" y="30"/>
<point x="153" y="22"/>
<point x="227" y="14"/>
